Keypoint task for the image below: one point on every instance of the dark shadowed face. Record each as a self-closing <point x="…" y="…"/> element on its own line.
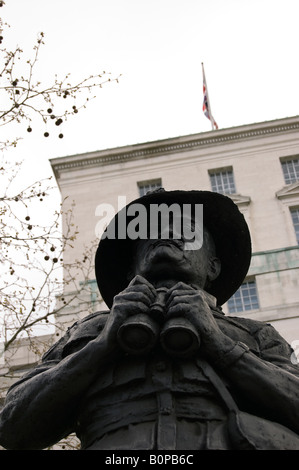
<point x="168" y="260"/>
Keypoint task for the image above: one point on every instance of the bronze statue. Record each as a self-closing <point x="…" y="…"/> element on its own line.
<point x="165" y="368"/>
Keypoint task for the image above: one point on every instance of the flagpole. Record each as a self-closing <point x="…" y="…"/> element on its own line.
<point x="208" y="100"/>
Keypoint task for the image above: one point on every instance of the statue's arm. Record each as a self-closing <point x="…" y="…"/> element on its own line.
<point x="269" y="382"/>
<point x="42" y="410"/>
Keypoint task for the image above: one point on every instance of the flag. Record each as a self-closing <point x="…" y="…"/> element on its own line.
<point x="206" y="107"/>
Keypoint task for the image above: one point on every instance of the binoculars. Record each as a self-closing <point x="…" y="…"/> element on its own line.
<point x="140" y="333"/>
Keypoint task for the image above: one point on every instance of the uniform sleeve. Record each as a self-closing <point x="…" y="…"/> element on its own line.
<point x="75" y="338"/>
<point x="50" y="359"/>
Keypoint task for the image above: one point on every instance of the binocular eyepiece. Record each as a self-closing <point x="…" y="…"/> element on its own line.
<point x="140" y="333"/>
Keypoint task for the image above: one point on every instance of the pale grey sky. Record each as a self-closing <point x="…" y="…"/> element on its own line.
<point x="249" y="49"/>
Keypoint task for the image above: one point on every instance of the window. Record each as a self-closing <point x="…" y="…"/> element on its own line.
<point x="244" y="299"/>
<point x="145" y="186"/>
<point x="222" y="181"/>
<point x="295" y="218"/>
<point x="290" y="170"/>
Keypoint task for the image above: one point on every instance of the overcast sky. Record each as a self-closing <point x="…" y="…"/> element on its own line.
<point x="249" y="49"/>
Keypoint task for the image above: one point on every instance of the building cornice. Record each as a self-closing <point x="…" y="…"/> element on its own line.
<point x="289" y="191"/>
<point x="174" y="145"/>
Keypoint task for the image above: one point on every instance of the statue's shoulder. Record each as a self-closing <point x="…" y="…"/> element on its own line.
<point x="265" y="334"/>
<point x="252" y="326"/>
<point x="91" y="324"/>
<point x="77" y="335"/>
<point x="247" y="324"/>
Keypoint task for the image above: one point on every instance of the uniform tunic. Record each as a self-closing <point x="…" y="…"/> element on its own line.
<point x="159" y="402"/>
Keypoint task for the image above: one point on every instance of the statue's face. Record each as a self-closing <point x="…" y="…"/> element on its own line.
<point x="166" y="259"/>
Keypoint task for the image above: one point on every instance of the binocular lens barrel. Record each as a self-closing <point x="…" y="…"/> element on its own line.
<point x="138" y="334"/>
<point x="179" y="337"/>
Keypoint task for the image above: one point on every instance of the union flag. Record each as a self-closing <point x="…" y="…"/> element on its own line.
<point x="206" y="107"/>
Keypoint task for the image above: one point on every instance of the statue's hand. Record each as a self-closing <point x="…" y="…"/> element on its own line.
<point x="187" y="302"/>
<point x="136" y="298"/>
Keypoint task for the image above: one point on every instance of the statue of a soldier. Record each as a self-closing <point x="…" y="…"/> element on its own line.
<point x="164" y="368"/>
